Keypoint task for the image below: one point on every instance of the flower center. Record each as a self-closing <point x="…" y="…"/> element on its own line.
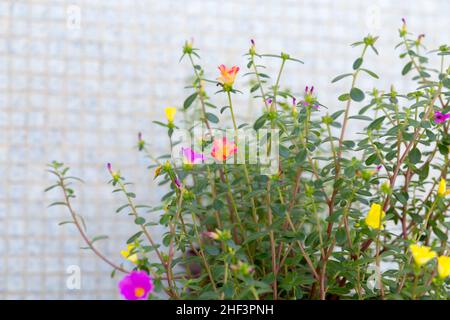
<point x="139" y="292"/>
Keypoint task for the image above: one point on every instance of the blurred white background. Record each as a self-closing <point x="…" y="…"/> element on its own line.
<point x="79" y="79"/>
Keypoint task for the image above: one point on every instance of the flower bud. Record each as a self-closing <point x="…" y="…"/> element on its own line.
<point x="252" y="50"/>
<point x="284" y="56"/>
<point x="188" y="48"/>
<point x="141" y="142"/>
<point x="386" y="188"/>
<point x="403" y="30"/>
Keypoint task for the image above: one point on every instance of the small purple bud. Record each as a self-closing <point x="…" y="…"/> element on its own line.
<point x="252" y="41"/>
<point x="269" y="101"/>
<point x="404" y="20"/>
<point x="140" y="136"/>
<point x="294" y="101"/>
<point x="312" y="89"/>
<point x="177" y="182"/>
<point x="379" y="167"/>
<point x="109" y="166"/>
<point x="306" y="89"/>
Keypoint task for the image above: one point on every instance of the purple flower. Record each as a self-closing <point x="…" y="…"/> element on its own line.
<point x="441" y="117"/>
<point x="269" y="101"/>
<point x="192" y="157"/>
<point x="136" y="285"/>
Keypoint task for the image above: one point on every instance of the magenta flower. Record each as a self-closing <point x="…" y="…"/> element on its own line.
<point x="192" y="157"/>
<point x="136" y="285"/>
<point x="441" y="117"/>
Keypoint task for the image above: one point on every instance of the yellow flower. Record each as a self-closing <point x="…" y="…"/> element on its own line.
<point x="127" y="254"/>
<point x="170" y="113"/>
<point x="421" y="254"/>
<point x="442" y="189"/>
<point x="375" y="217"/>
<point x="444" y="266"/>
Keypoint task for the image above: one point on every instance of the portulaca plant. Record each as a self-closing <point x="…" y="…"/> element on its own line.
<point x="291" y="207"/>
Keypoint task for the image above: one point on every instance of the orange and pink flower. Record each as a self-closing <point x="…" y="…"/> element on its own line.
<point x="222" y="149"/>
<point x="227" y="76"/>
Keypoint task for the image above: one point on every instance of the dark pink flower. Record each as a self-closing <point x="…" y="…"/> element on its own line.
<point x="192" y="157"/>
<point x="441" y="117"/>
<point x="136" y="285"/>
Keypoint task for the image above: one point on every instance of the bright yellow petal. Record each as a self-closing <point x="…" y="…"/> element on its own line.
<point x="170" y="113"/>
<point x="422" y="254"/>
<point x="128" y="255"/>
<point x="442" y="189"/>
<point x="374" y="218"/>
<point x="444" y="266"/>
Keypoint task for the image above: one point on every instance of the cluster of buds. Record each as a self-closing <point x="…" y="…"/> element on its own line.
<point x="309" y="98"/>
<point x="167" y="167"/>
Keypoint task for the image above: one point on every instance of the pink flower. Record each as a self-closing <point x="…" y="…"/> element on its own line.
<point x="136" y="285"/>
<point x="222" y="149"/>
<point x="441" y="117"/>
<point x="192" y="157"/>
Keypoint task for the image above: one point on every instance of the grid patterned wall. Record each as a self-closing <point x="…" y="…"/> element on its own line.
<point x="79" y="78"/>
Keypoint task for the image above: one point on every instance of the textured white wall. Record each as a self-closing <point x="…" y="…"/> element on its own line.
<point x="81" y="94"/>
